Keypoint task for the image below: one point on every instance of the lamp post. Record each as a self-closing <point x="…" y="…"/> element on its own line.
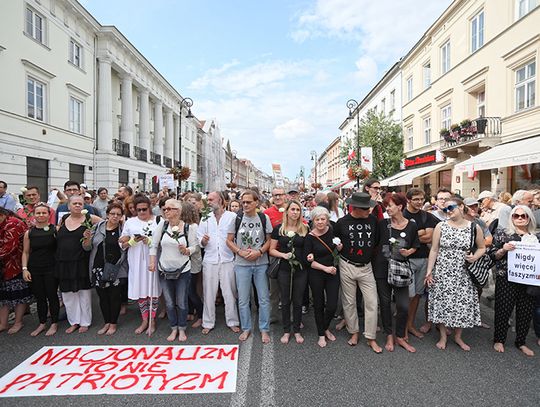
<point x="185" y="102"/>
<point x="314" y="159"/>
<point x="233" y="156"/>
<point x="352" y="105"/>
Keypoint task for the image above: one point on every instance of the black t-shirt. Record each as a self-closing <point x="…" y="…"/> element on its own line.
<point x="284" y="246"/>
<point x="406" y="238"/>
<point x="320" y="252"/>
<point x="112" y="249"/>
<point x="423" y="220"/>
<point x="359" y="237"/>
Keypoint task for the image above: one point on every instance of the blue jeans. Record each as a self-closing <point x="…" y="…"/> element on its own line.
<point x="244" y="275"/>
<point x="175" y="293"/>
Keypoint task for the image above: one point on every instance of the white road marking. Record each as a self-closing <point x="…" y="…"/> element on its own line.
<point x="267" y="376"/>
<point x="238" y="399"/>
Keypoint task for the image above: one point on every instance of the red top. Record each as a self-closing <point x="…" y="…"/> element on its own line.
<point x="11" y="246"/>
<point x="276" y="217"/>
<point x="27" y="214"/>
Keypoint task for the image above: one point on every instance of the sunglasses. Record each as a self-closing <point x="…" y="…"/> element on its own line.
<point x="449" y="208"/>
<point x="169" y="209"/>
<point x="247" y="202"/>
<point x="141" y="209"/>
<point x="520" y="216"/>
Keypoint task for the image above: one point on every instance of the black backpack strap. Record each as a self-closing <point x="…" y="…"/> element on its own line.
<point x="186" y="231"/>
<point x="164" y="230"/>
<point x="237" y="223"/>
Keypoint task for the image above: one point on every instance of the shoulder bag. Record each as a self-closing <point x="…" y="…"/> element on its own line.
<point x="399" y="272"/>
<point x="273" y="267"/>
<point x="478" y="270"/>
<point x="110" y="271"/>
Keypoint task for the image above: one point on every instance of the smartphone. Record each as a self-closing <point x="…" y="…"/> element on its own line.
<point x="137" y="236"/>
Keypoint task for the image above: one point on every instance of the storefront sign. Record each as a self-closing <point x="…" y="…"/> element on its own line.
<point x="78" y="370"/>
<point x="421" y="160"/>
<point x="524" y="264"/>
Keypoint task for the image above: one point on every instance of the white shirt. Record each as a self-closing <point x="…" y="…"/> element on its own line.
<point x="216" y="250"/>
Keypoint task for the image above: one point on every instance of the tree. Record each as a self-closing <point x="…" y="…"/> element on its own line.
<point x="384" y="136"/>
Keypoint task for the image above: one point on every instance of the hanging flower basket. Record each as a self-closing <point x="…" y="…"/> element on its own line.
<point x="231" y="185"/>
<point x="357" y="171"/>
<point x="316" y="185"/>
<point x="180" y="173"/>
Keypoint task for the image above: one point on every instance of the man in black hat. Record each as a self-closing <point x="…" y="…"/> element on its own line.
<point x="359" y="236"/>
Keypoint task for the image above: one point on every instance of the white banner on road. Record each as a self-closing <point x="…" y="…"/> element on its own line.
<point x="524" y="264"/>
<point x="78" y="370"/>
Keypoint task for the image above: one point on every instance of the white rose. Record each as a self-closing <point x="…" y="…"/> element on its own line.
<point x="392" y="240"/>
<point x="336" y="240"/>
<point x="23" y="190"/>
<point x="403" y="234"/>
<point x="242" y="231"/>
<point x="291" y="234"/>
<point x="175" y="229"/>
<point x="282" y="210"/>
<point x="46" y="228"/>
<point x="84" y="211"/>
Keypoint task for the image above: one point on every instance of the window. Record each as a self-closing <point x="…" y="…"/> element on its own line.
<point x="186" y="158"/>
<point x="477" y="31"/>
<point x="383" y="106"/>
<point x="427" y="131"/>
<point x="76" y="173"/>
<point x="123" y="177"/>
<point x="525" y="86"/>
<point x="445" y="58"/>
<point x="37" y="173"/>
<point x="75" y="54"/>
<point x="409" y="88"/>
<point x="392" y="100"/>
<point x="75" y="115"/>
<point x="481" y="103"/>
<point x="34" y="25"/>
<point x="523" y="7"/>
<point x="410" y="138"/>
<point x="138" y="104"/>
<point x="446" y="117"/>
<point x="35" y="99"/>
<point x="427" y="75"/>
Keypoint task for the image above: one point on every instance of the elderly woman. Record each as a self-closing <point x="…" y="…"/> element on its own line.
<point x="174" y="243"/>
<point x="14" y="292"/>
<point x="319" y="248"/>
<point x="453" y="299"/>
<point x="510" y="295"/>
<point x="399" y="239"/>
<point x="287" y="243"/>
<point x="72" y="264"/>
<point x="104" y="249"/>
<point x="38" y="260"/>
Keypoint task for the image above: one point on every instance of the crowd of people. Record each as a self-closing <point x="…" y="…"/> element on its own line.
<point x="271" y="254"/>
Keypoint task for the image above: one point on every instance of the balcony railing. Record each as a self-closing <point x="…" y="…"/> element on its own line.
<point x="155" y="158"/>
<point x="121" y="148"/>
<point x="481" y="128"/>
<point x="140" y="154"/>
<point x="167" y="161"/>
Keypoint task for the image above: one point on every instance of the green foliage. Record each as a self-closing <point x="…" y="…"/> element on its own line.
<point x="385" y="137"/>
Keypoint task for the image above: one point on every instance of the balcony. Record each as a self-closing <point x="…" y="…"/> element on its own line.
<point x="480" y="135"/>
<point x="155" y="158"/>
<point x="167" y="161"/>
<point x="121" y="148"/>
<point x="140" y="154"/>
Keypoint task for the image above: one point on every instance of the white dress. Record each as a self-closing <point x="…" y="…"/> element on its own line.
<point x="141" y="282"/>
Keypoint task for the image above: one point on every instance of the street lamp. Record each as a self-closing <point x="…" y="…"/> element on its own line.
<point x="314" y="159"/>
<point x="352" y="105"/>
<point x="185" y="102"/>
<point x="233" y="156"/>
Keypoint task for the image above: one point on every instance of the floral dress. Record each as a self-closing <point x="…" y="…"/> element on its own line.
<point x="453" y="299"/>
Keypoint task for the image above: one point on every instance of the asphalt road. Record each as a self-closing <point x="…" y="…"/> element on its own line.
<point x="305" y="375"/>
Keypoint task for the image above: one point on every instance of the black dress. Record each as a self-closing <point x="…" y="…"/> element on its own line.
<point x="71" y="260"/>
<point x="42" y="250"/>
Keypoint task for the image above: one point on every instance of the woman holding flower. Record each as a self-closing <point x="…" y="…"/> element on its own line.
<point x="72" y="264"/>
<point x="287" y="244"/>
<point x="321" y="249"/>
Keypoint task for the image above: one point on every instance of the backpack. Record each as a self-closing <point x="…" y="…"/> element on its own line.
<point x="238" y="222"/>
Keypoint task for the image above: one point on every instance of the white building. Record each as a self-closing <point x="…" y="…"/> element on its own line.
<point x="213" y="156"/>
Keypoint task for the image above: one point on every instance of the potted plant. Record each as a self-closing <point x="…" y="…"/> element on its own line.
<point x="180" y="173"/>
<point x="231" y="185"/>
<point x="466" y="123"/>
<point x="481" y="124"/>
<point x="316" y="185"/>
<point x="445" y="134"/>
<point x="356" y="171"/>
<point x="455" y="128"/>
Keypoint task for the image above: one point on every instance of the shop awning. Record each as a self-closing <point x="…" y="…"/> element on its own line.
<point x="386" y="182"/>
<point x="408" y="176"/>
<point x="337" y="185"/>
<point x="526" y="151"/>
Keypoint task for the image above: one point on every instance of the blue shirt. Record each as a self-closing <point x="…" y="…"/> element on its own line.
<point x="7" y="202"/>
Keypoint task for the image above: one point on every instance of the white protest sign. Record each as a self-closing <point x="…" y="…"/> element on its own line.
<point x="524" y="264"/>
<point x="166" y="180"/>
<point x="78" y="370"/>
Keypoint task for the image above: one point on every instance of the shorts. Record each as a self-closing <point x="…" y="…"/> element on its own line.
<point x="419" y="268"/>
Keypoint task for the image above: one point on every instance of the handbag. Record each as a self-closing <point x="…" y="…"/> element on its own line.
<point x="172" y="274"/>
<point x="110" y="271"/>
<point x="273" y="267"/>
<point x="478" y="270"/>
<point x="399" y="273"/>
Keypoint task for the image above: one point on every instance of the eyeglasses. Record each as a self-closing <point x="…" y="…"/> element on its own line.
<point x="115" y="214"/>
<point x="277" y="195"/>
<point x="72" y="190"/>
<point x="169" y="209"/>
<point x="449" y="208"/>
<point x="376" y="188"/>
<point x="141" y="209"/>
<point x="247" y="202"/>
<point x="520" y="216"/>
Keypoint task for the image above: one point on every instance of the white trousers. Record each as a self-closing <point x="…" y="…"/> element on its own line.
<point x="78" y="307"/>
<point x="215" y="275"/>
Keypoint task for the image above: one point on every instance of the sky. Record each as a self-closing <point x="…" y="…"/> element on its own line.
<point x="275" y="74"/>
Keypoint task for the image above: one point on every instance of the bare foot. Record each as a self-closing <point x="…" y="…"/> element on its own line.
<point x="172" y="335"/>
<point x="441" y="344"/>
<point x="38" y="330"/>
<point x="321" y="342"/>
<point x="111" y="330"/>
<point x="182" y="337"/>
<point x="341" y="324"/>
<point x="285" y="338"/>
<point x="414" y="332"/>
<point x="3" y="328"/>
<point x="353" y="341"/>
<point x="389" y="343"/>
<point x="72" y="329"/>
<point x="152" y="328"/>
<point x="244" y="335"/>
<point x="499" y="347"/>
<point x="329" y="335"/>
<point x="83" y="329"/>
<point x="426" y="327"/>
<point x="235" y="329"/>
<point x="206" y="331"/>
<point x="485" y="326"/>
<point x="104" y="330"/>
<point x="142" y="327"/>
<point x="299" y="338"/>
<point x="197" y="323"/>
<point x="52" y="330"/>
<point x="372" y="343"/>
<point x="403" y="343"/>
<point x="265" y="338"/>
<point x="123" y="309"/>
<point x="16" y="327"/>
<point x="162" y="314"/>
<point x="526" y="350"/>
<point x="462" y="344"/>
